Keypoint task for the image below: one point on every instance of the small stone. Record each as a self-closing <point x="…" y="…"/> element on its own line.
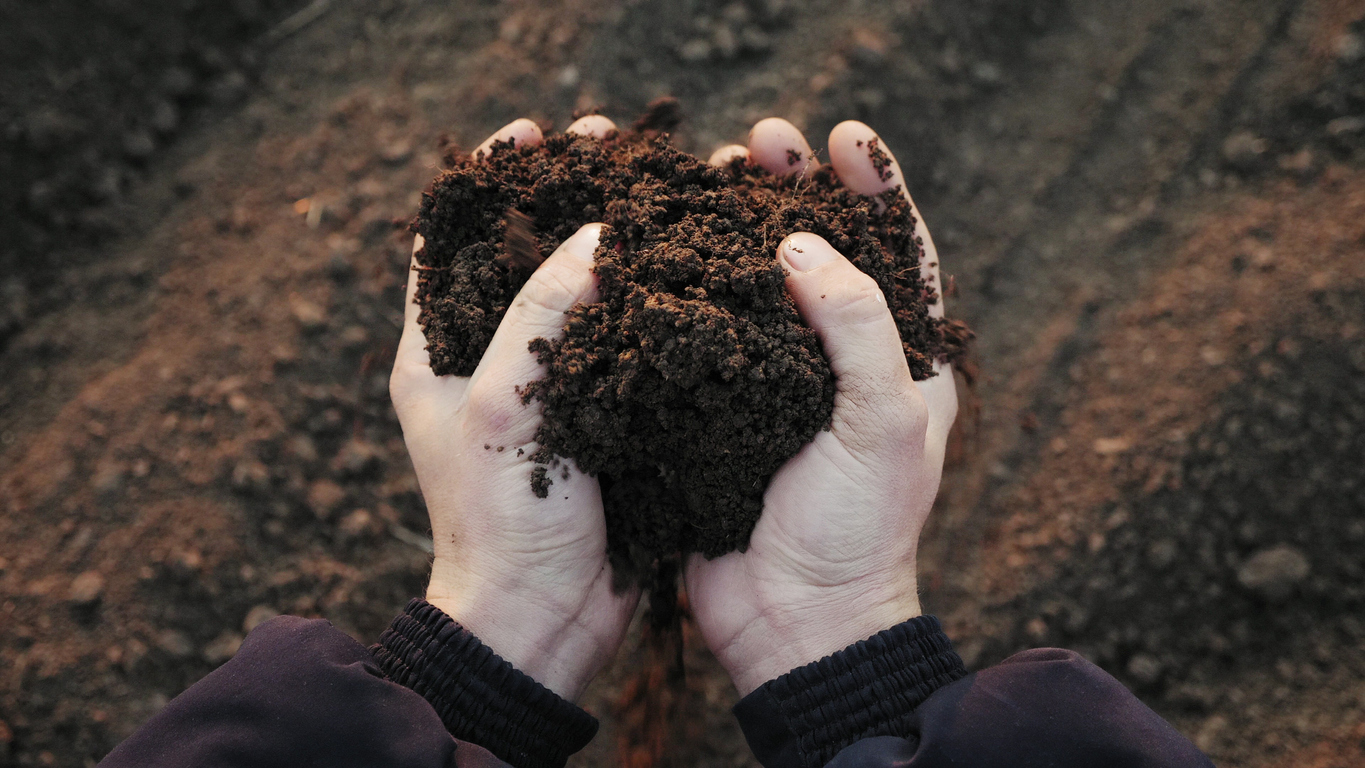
<point x="357" y="457"/>
<point x="310" y="315"/>
<point x="355" y="336"/>
<point x="108" y="477"/>
<point x="138" y="144"/>
<point x="1273" y="572"/>
<point x="1161" y="553"/>
<point x="1300" y="162"/>
<point x="1343" y="126"/>
<point x="223" y="647"/>
<point x="324" y="497"/>
<point x="109" y="182"/>
<point x="986" y="72"/>
<point x="396" y="152"/>
<point x="725" y="42"/>
<point x="735" y="13"/>
<point x="754" y="40"/>
<point x="1349" y="47"/>
<point x="1108" y="446"/>
<point x="250" y="475"/>
<point x="302" y="448"/>
<point x="358" y="524"/>
<point x="257" y="616"/>
<point x="42" y="195"/>
<point x="870" y="98"/>
<point x="48" y="128"/>
<point x="1144" y="668"/>
<point x="1244" y="149"/>
<point x="185" y="564"/>
<point x="165" y="116"/>
<point x="174" y="642"/>
<point x="1209" y="734"/>
<point x="86" y="589"/>
<point x="869" y="47"/>
<point x="695" y="51"/>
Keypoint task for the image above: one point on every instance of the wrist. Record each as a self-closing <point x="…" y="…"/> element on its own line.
<point x="481" y="698"/>
<point x="539" y="642"/>
<point x="778" y="641"/>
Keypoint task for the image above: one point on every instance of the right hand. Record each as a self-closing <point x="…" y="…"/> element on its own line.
<point x="832" y="559"/>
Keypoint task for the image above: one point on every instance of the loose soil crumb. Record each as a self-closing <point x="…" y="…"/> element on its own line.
<point x="880" y="160"/>
<point x="691" y="378"/>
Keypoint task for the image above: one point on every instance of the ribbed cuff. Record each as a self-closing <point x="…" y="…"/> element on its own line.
<point x="871" y="688"/>
<point x="479" y="696"/>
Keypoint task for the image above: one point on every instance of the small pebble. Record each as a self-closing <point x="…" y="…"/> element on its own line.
<point x="1273" y="572"/>
<point x="174" y="642"/>
<point x="257" y="616"/>
<point x="86" y="589"/>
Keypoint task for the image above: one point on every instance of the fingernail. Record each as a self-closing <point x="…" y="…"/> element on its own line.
<point x="804" y="251"/>
<point x="583" y="243"/>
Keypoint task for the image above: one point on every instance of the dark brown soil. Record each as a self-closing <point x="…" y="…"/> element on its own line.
<point x="691" y="379"/>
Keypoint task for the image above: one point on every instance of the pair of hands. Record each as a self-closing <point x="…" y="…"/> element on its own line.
<point x="832" y="560"/>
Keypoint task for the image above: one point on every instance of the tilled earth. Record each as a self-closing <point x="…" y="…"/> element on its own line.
<point x="1155" y="212"/>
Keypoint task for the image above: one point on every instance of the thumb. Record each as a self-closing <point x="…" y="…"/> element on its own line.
<point x="874" y="392"/>
<point x="562" y="280"/>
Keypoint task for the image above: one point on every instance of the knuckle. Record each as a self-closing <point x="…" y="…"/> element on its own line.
<point x="863" y="303"/>
<point x="551" y="288"/>
<point x="490" y="411"/>
<point x="401" y="384"/>
<point x="883" y="413"/>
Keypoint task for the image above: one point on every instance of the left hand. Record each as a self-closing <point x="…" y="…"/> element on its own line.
<point x="528" y="576"/>
<point x="832" y="560"/>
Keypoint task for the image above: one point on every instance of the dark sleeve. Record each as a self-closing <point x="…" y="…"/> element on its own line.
<point x="298" y="693"/>
<point x="902" y="699"/>
<point x="302" y="693"/>
<point x="480" y="697"/>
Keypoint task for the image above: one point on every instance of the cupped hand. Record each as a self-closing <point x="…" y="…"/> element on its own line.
<point x="528" y="576"/>
<point x="832" y="559"/>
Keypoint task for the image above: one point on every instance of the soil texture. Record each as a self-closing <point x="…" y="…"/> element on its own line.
<point x="690" y="379"/>
<point x="1153" y="211"/>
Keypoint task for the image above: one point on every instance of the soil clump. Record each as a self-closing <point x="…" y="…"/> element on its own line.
<point x="690" y="379"/>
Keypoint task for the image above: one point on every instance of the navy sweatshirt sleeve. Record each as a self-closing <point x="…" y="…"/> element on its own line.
<point x="302" y="693"/>
<point x="902" y="699"/>
<point x="298" y="693"/>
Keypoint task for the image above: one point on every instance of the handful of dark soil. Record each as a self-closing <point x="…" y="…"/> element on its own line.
<point x="691" y="379"/>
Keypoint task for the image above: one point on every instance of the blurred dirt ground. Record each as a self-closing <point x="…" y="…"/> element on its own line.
<point x="1155" y="213"/>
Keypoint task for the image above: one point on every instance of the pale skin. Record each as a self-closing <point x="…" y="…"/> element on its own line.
<point x="832" y="560"/>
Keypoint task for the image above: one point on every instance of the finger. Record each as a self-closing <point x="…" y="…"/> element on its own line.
<point x="520" y="132"/>
<point x="596" y="126"/>
<point x="865" y="165"/>
<point x="779" y="147"/>
<point x="726" y="154"/>
<point x="410" y="308"/>
<point x="874" y="392"/>
<point x="413" y="386"/>
<point x="538" y="310"/>
<point x="940" y="396"/>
